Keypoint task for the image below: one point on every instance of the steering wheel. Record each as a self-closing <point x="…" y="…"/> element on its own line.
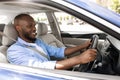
<point x="89" y="66"/>
<point x="94" y="42"/>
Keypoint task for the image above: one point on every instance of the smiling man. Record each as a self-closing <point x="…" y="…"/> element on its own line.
<point x="30" y="51"/>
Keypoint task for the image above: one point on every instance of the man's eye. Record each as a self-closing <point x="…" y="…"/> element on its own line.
<point x="29" y="26"/>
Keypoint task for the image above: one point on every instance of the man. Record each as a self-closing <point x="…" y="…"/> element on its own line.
<point x="21" y="53"/>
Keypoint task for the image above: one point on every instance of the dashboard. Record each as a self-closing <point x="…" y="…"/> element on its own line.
<point x="109" y="56"/>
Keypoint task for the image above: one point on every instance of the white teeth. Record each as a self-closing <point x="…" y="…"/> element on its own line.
<point x="34" y="33"/>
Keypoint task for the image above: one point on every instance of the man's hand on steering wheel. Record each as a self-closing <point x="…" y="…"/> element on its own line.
<point x="90" y="55"/>
<point x="94" y="42"/>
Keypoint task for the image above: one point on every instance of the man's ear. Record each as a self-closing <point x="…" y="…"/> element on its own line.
<point x="17" y="28"/>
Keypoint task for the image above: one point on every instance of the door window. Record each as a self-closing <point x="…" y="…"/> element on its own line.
<point x="72" y="24"/>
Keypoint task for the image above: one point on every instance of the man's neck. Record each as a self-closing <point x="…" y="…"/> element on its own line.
<point x="28" y="40"/>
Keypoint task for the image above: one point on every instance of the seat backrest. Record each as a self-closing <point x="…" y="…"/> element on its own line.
<point x="10" y="31"/>
<point x="42" y="33"/>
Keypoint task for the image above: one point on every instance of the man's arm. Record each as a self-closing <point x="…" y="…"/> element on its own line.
<point x="72" y="50"/>
<point x="85" y="57"/>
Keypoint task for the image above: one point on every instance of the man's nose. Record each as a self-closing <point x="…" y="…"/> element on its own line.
<point x="34" y="28"/>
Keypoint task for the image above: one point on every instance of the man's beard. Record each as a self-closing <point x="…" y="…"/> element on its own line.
<point x="30" y="38"/>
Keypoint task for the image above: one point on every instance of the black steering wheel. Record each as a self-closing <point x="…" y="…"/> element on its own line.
<point x="94" y="42"/>
<point x="89" y="66"/>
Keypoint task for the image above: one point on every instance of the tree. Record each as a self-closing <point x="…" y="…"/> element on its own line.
<point x="116" y="6"/>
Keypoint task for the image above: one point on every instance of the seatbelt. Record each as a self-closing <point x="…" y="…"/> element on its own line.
<point x="34" y="49"/>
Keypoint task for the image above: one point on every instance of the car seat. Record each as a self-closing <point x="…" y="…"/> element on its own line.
<point x="42" y="33"/>
<point x="10" y="31"/>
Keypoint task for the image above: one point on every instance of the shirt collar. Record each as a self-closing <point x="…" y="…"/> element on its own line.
<point x="21" y="41"/>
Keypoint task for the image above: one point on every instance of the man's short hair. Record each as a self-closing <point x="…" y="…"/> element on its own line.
<point x="20" y="17"/>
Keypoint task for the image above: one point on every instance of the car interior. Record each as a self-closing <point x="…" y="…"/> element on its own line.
<point x="108" y="55"/>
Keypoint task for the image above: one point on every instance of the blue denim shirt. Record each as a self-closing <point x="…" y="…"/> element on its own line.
<point x="20" y="54"/>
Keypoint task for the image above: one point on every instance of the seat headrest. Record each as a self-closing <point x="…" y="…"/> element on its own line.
<point x="10" y="31"/>
<point x="42" y="29"/>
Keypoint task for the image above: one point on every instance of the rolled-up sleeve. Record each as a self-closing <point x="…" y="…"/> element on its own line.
<point x="54" y="51"/>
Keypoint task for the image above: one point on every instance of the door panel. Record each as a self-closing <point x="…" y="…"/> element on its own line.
<point x="77" y="39"/>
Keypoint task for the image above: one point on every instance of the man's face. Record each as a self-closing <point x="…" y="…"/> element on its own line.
<point x="27" y="30"/>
